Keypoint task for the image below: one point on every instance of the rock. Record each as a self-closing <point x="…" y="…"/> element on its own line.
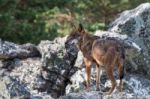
<point x="135" y="87"/>
<point x="99" y="95"/>
<point x="25" y="76"/>
<point x="83" y="95"/>
<point x="22" y="81"/>
<point x="3" y="89"/>
<point x="78" y="82"/>
<point x="135" y="23"/>
<point x="10" y="50"/>
<point x="33" y="51"/>
<point x="57" y="65"/>
<point x="137" y="84"/>
<point x="79" y="61"/>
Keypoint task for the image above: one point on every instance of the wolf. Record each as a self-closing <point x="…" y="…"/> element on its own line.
<point x="105" y="53"/>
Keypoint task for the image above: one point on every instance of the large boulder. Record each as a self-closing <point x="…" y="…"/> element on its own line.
<point x="22" y="81"/>
<point x="99" y="95"/>
<point x="24" y="74"/>
<point x="135" y="86"/>
<point x="9" y="50"/>
<point x="136" y="24"/>
<point x="57" y="65"/>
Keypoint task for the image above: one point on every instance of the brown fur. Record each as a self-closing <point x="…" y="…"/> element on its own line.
<point x="103" y="52"/>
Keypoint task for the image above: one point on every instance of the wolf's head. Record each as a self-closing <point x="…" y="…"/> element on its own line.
<point x="75" y="35"/>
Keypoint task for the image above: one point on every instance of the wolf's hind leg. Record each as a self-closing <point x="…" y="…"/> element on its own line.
<point x="121" y="74"/>
<point x="110" y="75"/>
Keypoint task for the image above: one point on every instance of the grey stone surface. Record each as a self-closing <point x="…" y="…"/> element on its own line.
<point x="134" y="87"/>
<point x="99" y="95"/>
<point x="57" y="64"/>
<point x="23" y="80"/>
<point x="136" y="24"/>
<point x="9" y="50"/>
<point x="23" y="76"/>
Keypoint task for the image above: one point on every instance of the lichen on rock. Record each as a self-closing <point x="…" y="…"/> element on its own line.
<point x="136" y="24"/>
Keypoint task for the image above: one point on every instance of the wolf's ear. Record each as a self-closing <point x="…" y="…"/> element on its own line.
<point x="80" y="28"/>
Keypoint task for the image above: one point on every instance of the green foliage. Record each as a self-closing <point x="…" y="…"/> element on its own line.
<point x="96" y="26"/>
<point x="23" y="21"/>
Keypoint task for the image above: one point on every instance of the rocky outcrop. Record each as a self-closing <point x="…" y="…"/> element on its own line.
<point x="135" y="86"/>
<point x="36" y="76"/>
<point x="23" y="80"/>
<point x="98" y="95"/>
<point x="57" y="65"/>
<point x="136" y="24"/>
<point x="10" y="50"/>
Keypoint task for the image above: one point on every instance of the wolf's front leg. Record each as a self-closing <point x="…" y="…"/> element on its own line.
<point x="88" y="72"/>
<point x="97" y="77"/>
